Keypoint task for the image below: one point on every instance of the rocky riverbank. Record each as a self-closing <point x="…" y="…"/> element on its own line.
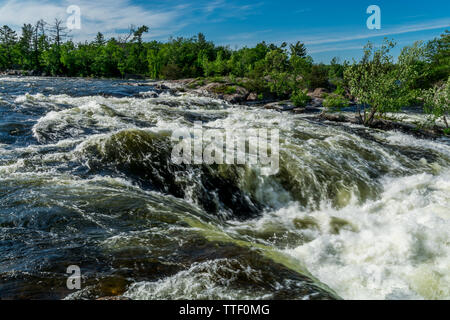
<point x="235" y="94"/>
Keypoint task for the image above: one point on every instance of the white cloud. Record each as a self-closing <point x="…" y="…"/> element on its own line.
<point x="432" y="25"/>
<point x="105" y="16"/>
<point x="212" y="6"/>
<point x="112" y="17"/>
<point x="335" y="49"/>
<point x="244" y="36"/>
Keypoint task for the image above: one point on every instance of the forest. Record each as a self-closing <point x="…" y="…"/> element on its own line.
<point x="420" y="75"/>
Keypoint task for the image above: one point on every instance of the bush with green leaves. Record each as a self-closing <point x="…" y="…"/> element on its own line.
<point x="437" y="102"/>
<point x="381" y="85"/>
<point x="437" y="68"/>
<point x="340" y="90"/>
<point x="273" y="71"/>
<point x="300" y="98"/>
<point x="317" y="77"/>
<point x="334" y="102"/>
<point x="224" y="89"/>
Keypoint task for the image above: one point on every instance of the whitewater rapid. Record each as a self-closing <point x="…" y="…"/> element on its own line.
<point x="365" y="212"/>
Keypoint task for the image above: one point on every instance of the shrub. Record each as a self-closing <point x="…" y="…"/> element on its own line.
<point x="258" y="85"/>
<point x="318" y="77"/>
<point x="218" y="79"/>
<point x="171" y="72"/>
<point x="335" y="102"/>
<point x="300" y="98"/>
<point x="437" y="102"/>
<point x="193" y="85"/>
<point x="340" y="91"/>
<point x="377" y="82"/>
<point x="230" y="90"/>
<point x="281" y="84"/>
<point x="224" y="89"/>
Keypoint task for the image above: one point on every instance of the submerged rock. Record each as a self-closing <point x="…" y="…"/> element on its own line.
<point x="280" y="106"/>
<point x="145" y="157"/>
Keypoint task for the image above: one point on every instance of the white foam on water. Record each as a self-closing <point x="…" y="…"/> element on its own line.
<point x="117" y="113"/>
<point x="397" y="247"/>
<point x="401" y="139"/>
<point x="206" y="280"/>
<point x="16" y="79"/>
<point x="394" y="247"/>
<point x="73" y="120"/>
<point x="29" y="97"/>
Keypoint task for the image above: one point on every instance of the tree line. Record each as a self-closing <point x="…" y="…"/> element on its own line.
<point x="420" y="74"/>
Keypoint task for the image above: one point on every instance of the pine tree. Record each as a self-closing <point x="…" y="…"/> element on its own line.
<point x="8" y="41"/>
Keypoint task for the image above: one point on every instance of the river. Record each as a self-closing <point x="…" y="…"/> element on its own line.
<point x="86" y="180"/>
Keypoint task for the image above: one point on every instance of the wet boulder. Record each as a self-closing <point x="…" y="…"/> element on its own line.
<point x="145" y="158"/>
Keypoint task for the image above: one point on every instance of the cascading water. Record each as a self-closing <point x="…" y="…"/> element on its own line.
<point x="86" y="179"/>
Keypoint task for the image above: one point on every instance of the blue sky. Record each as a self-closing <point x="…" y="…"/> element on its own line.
<point x="329" y="28"/>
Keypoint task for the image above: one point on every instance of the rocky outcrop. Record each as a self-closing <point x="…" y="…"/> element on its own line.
<point x="252" y="97"/>
<point x="384" y="124"/>
<point x="236" y="94"/>
<point x="226" y="91"/>
<point x="318" y="93"/>
<point x="307" y="109"/>
<point x="280" y="106"/>
<point x="239" y="96"/>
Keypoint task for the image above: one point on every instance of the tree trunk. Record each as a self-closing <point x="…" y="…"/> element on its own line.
<point x="445" y="120"/>
<point x="369" y="120"/>
<point x="359" y="114"/>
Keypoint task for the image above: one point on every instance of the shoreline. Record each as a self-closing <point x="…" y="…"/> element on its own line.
<point x="211" y="88"/>
<point x="314" y="108"/>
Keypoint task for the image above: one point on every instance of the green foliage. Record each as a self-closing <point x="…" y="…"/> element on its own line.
<point x="9" y="52"/>
<point x="280" y="84"/>
<point x="336" y="70"/>
<point x="298" y="50"/>
<point x="224" y="89"/>
<point x="335" y="102"/>
<point x="300" y="98"/>
<point x="340" y="90"/>
<point x="438" y="57"/>
<point x="258" y="85"/>
<point x="269" y="70"/>
<point x="380" y="84"/>
<point x="336" y="75"/>
<point x="437" y="102"/>
<point x="318" y="77"/>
